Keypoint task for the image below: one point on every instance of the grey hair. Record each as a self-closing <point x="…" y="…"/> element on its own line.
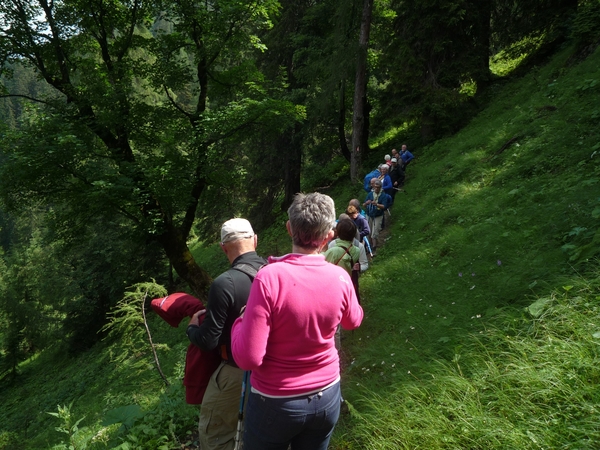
<point x="311" y="218"/>
<point x="378" y="183"/>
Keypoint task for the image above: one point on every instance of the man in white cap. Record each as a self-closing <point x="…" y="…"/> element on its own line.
<point x="226" y="297"/>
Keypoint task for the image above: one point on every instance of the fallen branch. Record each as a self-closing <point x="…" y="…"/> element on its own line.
<point x="150" y="339"/>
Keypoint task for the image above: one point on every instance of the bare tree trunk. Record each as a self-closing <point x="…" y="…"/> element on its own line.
<point x="174" y="243"/>
<point x="359" y="141"/>
<point x="342" y="122"/>
<point x="292" y="165"/>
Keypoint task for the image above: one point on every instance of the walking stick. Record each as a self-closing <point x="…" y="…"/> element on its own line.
<point x="368" y="245"/>
<point x="238" y="433"/>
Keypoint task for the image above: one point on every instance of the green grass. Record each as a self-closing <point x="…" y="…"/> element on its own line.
<point x="482" y="325"/>
<point x="521" y="380"/>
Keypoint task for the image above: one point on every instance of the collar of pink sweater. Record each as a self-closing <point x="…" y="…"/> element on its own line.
<point x="299" y="258"/>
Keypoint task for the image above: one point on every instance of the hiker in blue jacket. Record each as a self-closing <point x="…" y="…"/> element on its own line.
<point x="406" y="156"/>
<point x="368" y="177"/>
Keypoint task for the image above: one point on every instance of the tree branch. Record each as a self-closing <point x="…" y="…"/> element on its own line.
<point x="150" y="340"/>
<point x="26" y="97"/>
<point x="174" y="103"/>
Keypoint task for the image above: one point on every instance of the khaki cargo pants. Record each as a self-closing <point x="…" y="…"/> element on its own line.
<point x="219" y="411"/>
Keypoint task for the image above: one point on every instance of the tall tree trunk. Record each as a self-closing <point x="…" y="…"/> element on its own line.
<point x="175" y="246"/>
<point x="359" y="135"/>
<point x="342" y="122"/>
<point x="292" y="151"/>
<point x="484" y="18"/>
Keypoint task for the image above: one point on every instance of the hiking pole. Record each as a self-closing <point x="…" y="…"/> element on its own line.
<point x="366" y="241"/>
<point x="238" y="432"/>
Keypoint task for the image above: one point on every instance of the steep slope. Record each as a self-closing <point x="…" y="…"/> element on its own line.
<point x="505" y="212"/>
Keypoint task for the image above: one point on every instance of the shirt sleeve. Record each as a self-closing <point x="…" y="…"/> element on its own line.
<point x="387" y="183"/>
<point x="250" y="333"/>
<point x="366" y="230"/>
<point x="362" y="259"/>
<point x="352" y="316"/>
<point x="386" y="201"/>
<point x="220" y="299"/>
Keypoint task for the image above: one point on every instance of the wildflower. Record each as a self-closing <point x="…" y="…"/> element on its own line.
<point x="499" y="262"/>
<point x="382" y="362"/>
<point x="478" y="316"/>
<point x="394" y="365"/>
<point x="472" y="287"/>
<point x="473" y="274"/>
<point x="460" y="274"/>
<point x="392" y="354"/>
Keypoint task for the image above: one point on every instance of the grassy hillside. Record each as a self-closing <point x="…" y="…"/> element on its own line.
<point x="502" y="215"/>
<point x="482" y="321"/>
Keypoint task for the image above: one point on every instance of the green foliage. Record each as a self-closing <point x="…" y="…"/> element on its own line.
<point x="519" y="27"/>
<point x="139" y="122"/>
<point x="77" y="438"/>
<point x="126" y="322"/>
<point x="584" y="29"/>
<point x="126" y="415"/>
<point x="421" y="71"/>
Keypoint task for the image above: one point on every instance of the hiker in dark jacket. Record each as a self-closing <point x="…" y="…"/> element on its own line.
<point x="359" y="220"/>
<point x="226" y="297"/>
<point x="397" y="175"/>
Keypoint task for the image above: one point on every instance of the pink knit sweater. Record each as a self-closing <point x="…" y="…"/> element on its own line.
<point x="286" y="336"/>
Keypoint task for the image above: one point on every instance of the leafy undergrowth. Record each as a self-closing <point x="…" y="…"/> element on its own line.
<point x="481" y="327"/>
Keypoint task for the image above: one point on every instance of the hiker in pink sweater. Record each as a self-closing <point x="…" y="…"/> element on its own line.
<point x="286" y="336"/>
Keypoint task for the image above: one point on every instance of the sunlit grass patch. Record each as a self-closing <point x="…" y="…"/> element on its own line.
<point x="506" y="61"/>
<point x="520" y="381"/>
<point x="390" y="136"/>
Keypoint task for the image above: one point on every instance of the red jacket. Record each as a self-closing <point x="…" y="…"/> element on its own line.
<point x="199" y="365"/>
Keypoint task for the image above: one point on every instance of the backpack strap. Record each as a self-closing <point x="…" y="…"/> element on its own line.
<point x="248" y="269"/>
<point x="346" y="250"/>
<point x="251" y="271"/>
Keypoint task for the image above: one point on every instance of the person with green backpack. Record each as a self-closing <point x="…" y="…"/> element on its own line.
<point x="342" y="252"/>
